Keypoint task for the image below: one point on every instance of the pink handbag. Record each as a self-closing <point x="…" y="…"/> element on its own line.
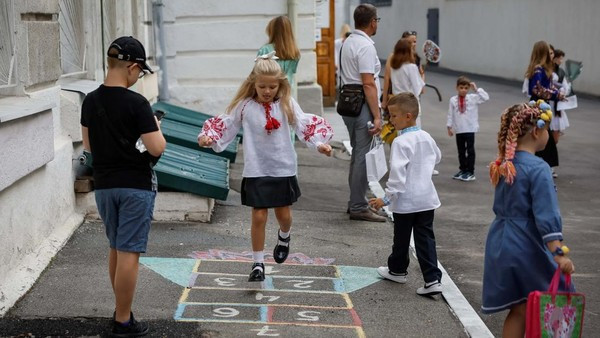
<point x="555" y="314"/>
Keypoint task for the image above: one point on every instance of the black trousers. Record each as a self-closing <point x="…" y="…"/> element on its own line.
<point x="422" y="222"/>
<point x="550" y="152"/>
<point x="465" y="142"/>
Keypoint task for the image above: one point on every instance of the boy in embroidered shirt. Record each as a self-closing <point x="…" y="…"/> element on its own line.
<point x="411" y="196"/>
<point x="463" y="120"/>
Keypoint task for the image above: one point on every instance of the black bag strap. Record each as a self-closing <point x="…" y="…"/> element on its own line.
<point x="342" y="47"/>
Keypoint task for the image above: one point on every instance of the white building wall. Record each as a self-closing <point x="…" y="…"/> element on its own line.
<point x="39" y="130"/>
<point x="495" y="37"/>
<point x="211" y="46"/>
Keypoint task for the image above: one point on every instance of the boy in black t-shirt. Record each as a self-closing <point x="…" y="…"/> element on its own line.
<point x="113" y="118"/>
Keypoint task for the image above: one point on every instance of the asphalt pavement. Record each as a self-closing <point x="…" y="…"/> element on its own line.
<point x="193" y="277"/>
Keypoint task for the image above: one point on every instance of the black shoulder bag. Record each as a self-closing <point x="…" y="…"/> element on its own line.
<point x="352" y="96"/>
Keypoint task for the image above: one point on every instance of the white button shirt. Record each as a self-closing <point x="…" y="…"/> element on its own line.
<point x="409" y="187"/>
<point x="359" y="56"/>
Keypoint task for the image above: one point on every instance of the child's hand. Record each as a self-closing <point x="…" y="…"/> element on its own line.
<point x="376" y="203"/>
<point x="450" y="133"/>
<point x="205" y="141"/>
<point x="473" y="86"/>
<point x="565" y="264"/>
<point x="324" y="149"/>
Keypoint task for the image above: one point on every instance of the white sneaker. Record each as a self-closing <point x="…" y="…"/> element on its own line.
<point x="430" y="289"/>
<point x="384" y="272"/>
<point x="435" y="172"/>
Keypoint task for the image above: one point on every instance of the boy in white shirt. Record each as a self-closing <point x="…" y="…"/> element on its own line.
<point x="463" y="120"/>
<point x="411" y="196"/>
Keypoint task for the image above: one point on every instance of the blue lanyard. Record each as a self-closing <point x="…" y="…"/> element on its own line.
<point x="409" y="129"/>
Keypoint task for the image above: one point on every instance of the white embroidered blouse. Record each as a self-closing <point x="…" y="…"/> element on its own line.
<point x="267" y="153"/>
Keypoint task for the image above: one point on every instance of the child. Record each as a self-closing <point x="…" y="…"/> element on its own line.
<point x="264" y="108"/>
<point x="523" y="246"/>
<point x="463" y="120"/>
<point x="560" y="122"/>
<point x="282" y="41"/>
<point x="411" y="196"/>
<point x="112" y="120"/>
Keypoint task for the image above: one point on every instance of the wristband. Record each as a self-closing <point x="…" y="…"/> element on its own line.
<point x="386" y="200"/>
<point x="560" y="251"/>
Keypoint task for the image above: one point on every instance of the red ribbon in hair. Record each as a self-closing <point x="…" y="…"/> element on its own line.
<point x="272" y="123"/>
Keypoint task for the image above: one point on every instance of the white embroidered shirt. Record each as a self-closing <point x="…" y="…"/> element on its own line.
<point x="468" y="121"/>
<point x="412" y="159"/>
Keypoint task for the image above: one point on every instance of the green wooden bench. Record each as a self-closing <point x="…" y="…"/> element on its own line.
<point x="193" y="171"/>
<point x="184" y="115"/>
<point x="186" y="135"/>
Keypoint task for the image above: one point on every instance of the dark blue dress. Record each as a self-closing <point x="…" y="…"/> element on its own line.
<point x="517" y="260"/>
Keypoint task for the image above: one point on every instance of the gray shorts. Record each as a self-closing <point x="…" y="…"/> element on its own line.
<point x="127" y="214"/>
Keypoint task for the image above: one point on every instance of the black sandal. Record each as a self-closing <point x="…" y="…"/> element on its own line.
<point x="258" y="273"/>
<point x="280" y="253"/>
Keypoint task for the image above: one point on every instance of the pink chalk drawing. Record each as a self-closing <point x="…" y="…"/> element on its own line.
<point x="246" y="256"/>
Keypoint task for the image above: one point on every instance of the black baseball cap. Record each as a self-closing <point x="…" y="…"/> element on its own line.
<point x="130" y="49"/>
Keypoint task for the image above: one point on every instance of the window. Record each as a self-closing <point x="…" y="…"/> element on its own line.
<point x="7" y="46"/>
<point x="377" y="3"/>
<point x="72" y="37"/>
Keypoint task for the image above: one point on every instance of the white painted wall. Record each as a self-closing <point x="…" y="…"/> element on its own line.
<point x="495" y="37"/>
<point x="211" y="46"/>
<point x="38" y="210"/>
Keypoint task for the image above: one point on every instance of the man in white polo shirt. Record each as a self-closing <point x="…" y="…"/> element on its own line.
<point x="360" y="65"/>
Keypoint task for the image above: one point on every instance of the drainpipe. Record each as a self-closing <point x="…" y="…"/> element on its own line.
<point x="293" y="16"/>
<point x="159" y="33"/>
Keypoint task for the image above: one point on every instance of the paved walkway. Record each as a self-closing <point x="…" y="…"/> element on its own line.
<point x="193" y="277"/>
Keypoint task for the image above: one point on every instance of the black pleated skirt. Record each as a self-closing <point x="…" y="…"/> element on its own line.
<point x="269" y="192"/>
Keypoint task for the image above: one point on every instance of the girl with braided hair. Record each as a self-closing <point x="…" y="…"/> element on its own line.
<point x="524" y="243"/>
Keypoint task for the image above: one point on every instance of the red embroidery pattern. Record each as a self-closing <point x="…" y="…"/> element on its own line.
<point x="462" y="104"/>
<point x="272" y="123"/>
<point x="214" y="128"/>
<point x="318" y="125"/>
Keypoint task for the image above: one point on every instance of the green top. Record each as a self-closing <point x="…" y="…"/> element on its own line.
<point x="289" y="66"/>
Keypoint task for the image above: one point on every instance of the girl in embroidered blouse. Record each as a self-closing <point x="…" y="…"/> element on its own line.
<point x="265" y="109"/>
<point x="539" y="72"/>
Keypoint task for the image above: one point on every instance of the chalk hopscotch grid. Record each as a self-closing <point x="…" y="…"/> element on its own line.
<point x="266" y="311"/>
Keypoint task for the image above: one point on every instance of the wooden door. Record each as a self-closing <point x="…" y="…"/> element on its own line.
<point x="325" y="58"/>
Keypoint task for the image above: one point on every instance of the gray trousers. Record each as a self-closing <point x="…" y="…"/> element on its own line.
<point x="361" y="142"/>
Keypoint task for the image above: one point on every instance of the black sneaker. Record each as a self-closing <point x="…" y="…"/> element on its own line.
<point x="258" y="273"/>
<point x="280" y="253"/>
<point x="458" y="175"/>
<point x="134" y="329"/>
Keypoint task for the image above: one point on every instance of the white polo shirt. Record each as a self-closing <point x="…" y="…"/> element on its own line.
<point x="359" y="56"/>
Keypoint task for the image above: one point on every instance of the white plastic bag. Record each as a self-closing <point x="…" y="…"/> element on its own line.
<point x="376" y="162"/>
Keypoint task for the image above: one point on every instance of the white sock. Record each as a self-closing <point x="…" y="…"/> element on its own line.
<point x="258" y="256"/>
<point x="284" y="235"/>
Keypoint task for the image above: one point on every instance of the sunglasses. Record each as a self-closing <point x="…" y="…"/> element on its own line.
<point x="409" y="33"/>
<point x="377" y="19"/>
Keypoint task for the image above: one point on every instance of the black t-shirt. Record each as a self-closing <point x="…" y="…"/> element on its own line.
<point x="117" y="163"/>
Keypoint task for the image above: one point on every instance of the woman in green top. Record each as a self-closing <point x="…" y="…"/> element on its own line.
<point x="282" y="41"/>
